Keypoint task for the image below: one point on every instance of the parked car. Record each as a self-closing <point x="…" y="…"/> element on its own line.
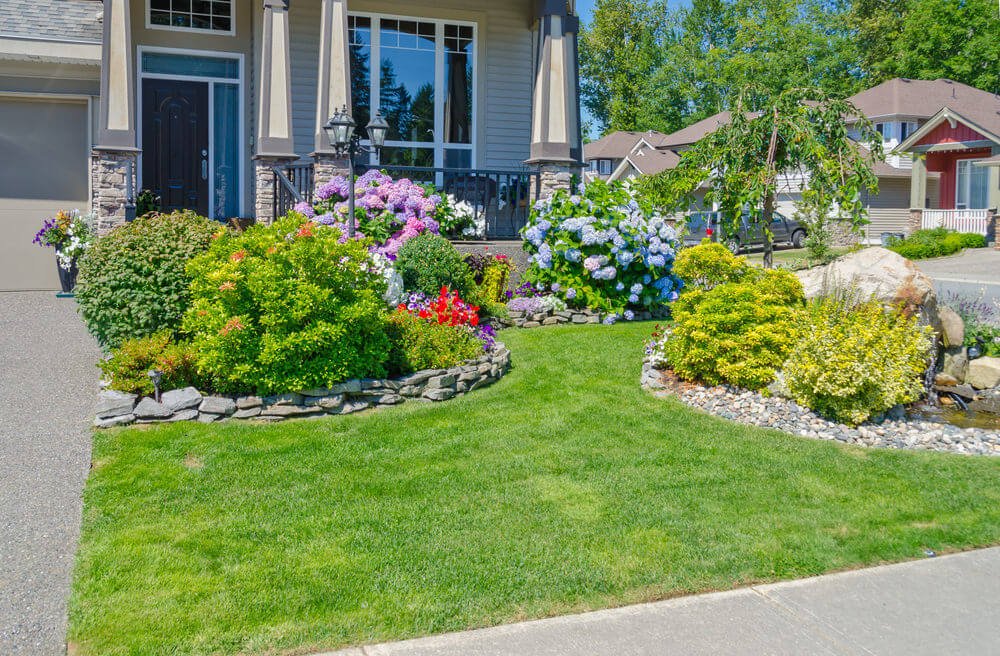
<point x="711" y="224"/>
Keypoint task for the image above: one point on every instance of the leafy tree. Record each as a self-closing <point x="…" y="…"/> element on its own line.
<point x="928" y="39"/>
<point x="618" y="53"/>
<point x="802" y="130"/>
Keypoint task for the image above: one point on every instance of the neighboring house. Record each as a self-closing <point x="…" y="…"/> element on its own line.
<point x="205" y="102"/>
<point x="953" y="129"/>
<point x="606" y="154"/>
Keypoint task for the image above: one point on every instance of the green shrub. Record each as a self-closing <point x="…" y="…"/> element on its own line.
<point x="936" y="242"/>
<point x="429" y="262"/>
<point x="129" y="364"/>
<point x="853" y="360"/>
<point x="708" y="265"/>
<point x="419" y="344"/>
<point x="133" y="281"/>
<point x="287" y="307"/>
<point x="736" y="332"/>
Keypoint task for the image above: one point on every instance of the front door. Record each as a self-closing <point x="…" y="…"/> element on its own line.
<point x="175" y="143"/>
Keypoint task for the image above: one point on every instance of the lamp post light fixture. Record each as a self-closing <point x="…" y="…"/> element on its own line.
<point x="341" y="130"/>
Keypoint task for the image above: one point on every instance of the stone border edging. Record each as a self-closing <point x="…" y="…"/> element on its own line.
<point x="755" y="409"/>
<point x="568" y="316"/>
<point x="432" y="385"/>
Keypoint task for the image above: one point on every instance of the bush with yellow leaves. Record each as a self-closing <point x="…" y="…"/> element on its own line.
<point x="855" y="359"/>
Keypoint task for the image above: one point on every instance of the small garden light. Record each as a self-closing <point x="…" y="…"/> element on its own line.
<point x="156" y="376"/>
<point x="341" y="131"/>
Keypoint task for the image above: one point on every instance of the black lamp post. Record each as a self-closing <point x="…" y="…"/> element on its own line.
<point x="341" y="131"/>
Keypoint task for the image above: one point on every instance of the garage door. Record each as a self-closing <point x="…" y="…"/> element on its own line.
<point x="44" y="146"/>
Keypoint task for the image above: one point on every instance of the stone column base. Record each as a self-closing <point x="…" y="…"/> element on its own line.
<point x="915" y="220"/>
<point x="327" y="166"/>
<point x="995" y="216"/>
<point x="556" y="176"/>
<point x="112" y="180"/>
<point x="264" y="200"/>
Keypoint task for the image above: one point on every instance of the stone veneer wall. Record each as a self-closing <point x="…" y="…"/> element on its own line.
<point x="120" y="409"/>
<point x="112" y="180"/>
<point x="569" y="316"/>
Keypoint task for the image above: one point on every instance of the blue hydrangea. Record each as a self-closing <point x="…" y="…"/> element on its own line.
<point x="573" y="255"/>
<point x="605" y="273"/>
<point x="544" y="257"/>
<point x="656" y="261"/>
<point x="620" y="286"/>
<point x="629" y="315"/>
<point x="570" y="294"/>
<point x="636" y="288"/>
<point x="625" y="258"/>
<point x="633" y="299"/>
<point x="646" y="279"/>
<point x="610" y="319"/>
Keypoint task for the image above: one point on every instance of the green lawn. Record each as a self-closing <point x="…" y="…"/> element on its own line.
<point x="562" y="488"/>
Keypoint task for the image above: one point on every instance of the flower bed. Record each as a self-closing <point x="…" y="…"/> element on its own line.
<point x="188" y="404"/>
<point x="896" y="430"/>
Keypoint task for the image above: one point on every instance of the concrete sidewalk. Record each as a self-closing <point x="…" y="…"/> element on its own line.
<point x="945" y="605"/>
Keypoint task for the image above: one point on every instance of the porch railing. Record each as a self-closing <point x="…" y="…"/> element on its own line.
<point x="293" y="184"/>
<point x="959" y="220"/>
<point x="500" y="199"/>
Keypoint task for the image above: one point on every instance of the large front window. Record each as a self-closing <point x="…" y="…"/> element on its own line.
<point x="206" y="15"/>
<point x="973" y="185"/>
<point x="424" y="84"/>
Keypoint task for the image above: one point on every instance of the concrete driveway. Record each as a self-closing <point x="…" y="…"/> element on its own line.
<point x="48" y="383"/>
<point x="973" y="273"/>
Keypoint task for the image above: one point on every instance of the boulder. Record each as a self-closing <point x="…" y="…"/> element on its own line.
<point x="218" y="405"/>
<point x="984" y="373"/>
<point x="149" y="409"/>
<point x="946" y="380"/>
<point x="955" y="363"/>
<point x="181" y="399"/>
<point x="114" y="404"/>
<point x="876" y="273"/>
<point x="952" y="327"/>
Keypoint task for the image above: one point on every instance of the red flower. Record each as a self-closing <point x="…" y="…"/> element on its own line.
<point x="305" y="231"/>
<point x="238" y="256"/>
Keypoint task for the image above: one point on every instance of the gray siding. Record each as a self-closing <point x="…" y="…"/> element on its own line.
<point x="504" y="70"/>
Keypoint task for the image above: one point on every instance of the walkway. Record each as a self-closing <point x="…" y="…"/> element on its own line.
<point x="48" y="385"/>
<point x="944" y="605"/>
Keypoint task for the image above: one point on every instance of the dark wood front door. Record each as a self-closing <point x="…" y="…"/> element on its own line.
<point x="175" y="143"/>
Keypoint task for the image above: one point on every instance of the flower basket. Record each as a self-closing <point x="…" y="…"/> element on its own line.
<point x="70" y="234"/>
<point x="67" y="277"/>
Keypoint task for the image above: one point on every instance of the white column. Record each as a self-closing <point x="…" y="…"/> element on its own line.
<point x="555" y="133"/>
<point x="334" y="89"/>
<point x="116" y="129"/>
<point x="274" y="129"/>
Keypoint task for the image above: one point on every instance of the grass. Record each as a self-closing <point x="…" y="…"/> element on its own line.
<point x="564" y="487"/>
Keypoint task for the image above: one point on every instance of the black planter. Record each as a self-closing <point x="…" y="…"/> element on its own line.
<point x="67" y="278"/>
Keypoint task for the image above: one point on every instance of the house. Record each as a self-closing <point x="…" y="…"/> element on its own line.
<point x="954" y="135"/>
<point x="215" y="104"/>
<point x="603" y="156"/>
<point x="942" y="164"/>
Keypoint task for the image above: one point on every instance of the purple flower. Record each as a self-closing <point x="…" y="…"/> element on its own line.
<point x="306" y="210"/>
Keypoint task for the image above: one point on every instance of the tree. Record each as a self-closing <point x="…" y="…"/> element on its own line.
<point x="618" y="53"/>
<point x="928" y="39"/>
<point x="802" y="130"/>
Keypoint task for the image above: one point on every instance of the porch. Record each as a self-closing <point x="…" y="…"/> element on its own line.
<point x="481" y="99"/>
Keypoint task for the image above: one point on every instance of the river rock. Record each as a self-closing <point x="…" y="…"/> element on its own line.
<point x="218" y="405"/>
<point x="875" y="272"/>
<point x="149" y="409"/>
<point x="984" y="373"/>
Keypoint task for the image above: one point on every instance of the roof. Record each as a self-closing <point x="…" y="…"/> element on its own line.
<point x="696" y="131"/>
<point x="618" y="145"/>
<point x="57" y="20"/>
<point x="650" y="161"/>
<point x="922" y="99"/>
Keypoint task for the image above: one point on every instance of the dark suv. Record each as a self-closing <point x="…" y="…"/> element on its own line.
<point x="783" y="229"/>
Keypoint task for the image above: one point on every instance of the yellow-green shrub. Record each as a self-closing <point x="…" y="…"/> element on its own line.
<point x="129" y="365"/>
<point x="854" y="360"/>
<point x="708" y="265"/>
<point x="736" y="332"/>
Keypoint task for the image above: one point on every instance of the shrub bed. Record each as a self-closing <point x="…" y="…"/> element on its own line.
<point x="134" y="281"/>
<point x="937" y="242"/>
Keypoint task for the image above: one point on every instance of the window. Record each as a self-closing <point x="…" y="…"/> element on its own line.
<point x="906" y="129"/>
<point x="424" y="85"/>
<point x="208" y="15"/>
<point x="972" y="185"/>
<point x="605" y="167"/>
<point x="883" y="129"/>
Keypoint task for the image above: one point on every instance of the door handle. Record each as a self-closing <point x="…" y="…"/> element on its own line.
<point x="204" y="169"/>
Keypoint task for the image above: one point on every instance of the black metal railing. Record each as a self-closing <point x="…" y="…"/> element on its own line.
<point x="502" y="198"/>
<point x="293" y="184"/>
